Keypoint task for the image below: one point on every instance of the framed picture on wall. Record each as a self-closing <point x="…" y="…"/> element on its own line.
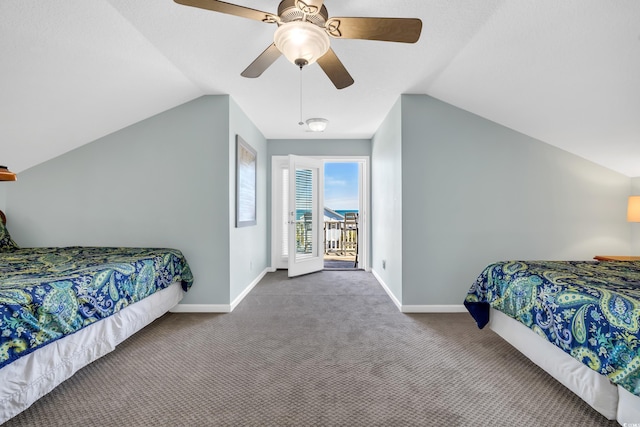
<point x="246" y="180"/>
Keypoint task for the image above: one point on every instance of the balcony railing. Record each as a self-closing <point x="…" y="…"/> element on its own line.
<point x="340" y="237"/>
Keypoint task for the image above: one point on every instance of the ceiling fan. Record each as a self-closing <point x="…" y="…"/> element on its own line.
<point x="303" y="34"/>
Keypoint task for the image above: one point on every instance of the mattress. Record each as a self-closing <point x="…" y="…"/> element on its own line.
<point x="589" y="310"/>
<point x="62" y="308"/>
<point x="577" y="320"/>
<point x="615" y="403"/>
<point x="36" y="374"/>
<point x="593" y="388"/>
<point x="49" y="293"/>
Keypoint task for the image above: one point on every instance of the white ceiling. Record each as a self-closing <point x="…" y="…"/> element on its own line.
<point x="566" y="72"/>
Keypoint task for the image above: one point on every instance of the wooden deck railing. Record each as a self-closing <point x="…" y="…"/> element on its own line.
<point x="340" y="237"/>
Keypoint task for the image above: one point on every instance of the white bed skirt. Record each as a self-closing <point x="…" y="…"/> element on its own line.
<point x="628" y="408"/>
<point x="593" y="388"/>
<point x="614" y="402"/>
<point x="34" y="375"/>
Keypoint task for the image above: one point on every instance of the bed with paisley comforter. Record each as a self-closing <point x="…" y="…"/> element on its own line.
<point x="578" y="320"/>
<point x="62" y="308"/>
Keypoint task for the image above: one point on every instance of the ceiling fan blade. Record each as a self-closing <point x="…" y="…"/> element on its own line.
<point x="231" y="9"/>
<point x="404" y="30"/>
<point x="334" y="69"/>
<point x="310" y="7"/>
<point x="262" y="62"/>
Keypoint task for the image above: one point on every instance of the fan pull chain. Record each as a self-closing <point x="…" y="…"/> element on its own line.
<point x="301" y="123"/>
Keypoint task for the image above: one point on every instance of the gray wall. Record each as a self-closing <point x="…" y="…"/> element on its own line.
<point x="162" y="182"/>
<point x="474" y="192"/>
<point x="387" y="202"/>
<point x="311" y="147"/>
<point x="451" y="192"/>
<point x="247" y="245"/>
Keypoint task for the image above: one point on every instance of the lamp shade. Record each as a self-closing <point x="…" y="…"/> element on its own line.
<point x="6" y="174"/>
<point x="301" y="42"/>
<point x="633" y="209"/>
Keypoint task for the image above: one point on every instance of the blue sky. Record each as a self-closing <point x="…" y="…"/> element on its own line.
<point x="341" y="186"/>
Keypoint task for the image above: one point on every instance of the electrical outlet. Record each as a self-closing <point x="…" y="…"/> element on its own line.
<point x="384" y="264"/>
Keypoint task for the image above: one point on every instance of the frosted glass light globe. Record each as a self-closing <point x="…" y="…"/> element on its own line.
<point x="301" y="42"/>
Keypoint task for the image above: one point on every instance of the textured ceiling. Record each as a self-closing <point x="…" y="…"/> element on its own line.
<point x="567" y="73"/>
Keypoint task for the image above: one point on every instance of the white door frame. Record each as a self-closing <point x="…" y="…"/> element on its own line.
<point x="278" y="220"/>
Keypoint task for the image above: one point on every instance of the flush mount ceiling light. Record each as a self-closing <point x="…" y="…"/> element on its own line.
<point x="6" y="174"/>
<point x="301" y="42"/>
<point x="317" y="125"/>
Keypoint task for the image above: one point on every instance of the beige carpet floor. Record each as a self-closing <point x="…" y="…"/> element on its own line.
<point x="327" y="349"/>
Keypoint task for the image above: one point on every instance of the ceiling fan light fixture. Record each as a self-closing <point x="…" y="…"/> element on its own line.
<point x="317" y="124"/>
<point x="301" y="42"/>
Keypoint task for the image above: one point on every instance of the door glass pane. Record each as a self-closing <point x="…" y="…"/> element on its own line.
<point x="304" y="213"/>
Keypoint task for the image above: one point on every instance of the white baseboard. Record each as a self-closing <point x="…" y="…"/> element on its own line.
<point x="246" y="291"/>
<point x="228" y="308"/>
<point x="386" y="289"/>
<point x="221" y="308"/>
<point x="453" y="308"/>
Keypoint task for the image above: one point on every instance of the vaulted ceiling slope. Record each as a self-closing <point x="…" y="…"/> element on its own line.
<point x="566" y="72"/>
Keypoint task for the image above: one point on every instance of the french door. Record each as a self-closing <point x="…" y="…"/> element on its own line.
<point x="305" y="215"/>
<point x="282" y="227"/>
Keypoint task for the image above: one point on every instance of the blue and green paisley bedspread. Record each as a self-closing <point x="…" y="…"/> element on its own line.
<point x="591" y="310"/>
<point x="47" y="293"/>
